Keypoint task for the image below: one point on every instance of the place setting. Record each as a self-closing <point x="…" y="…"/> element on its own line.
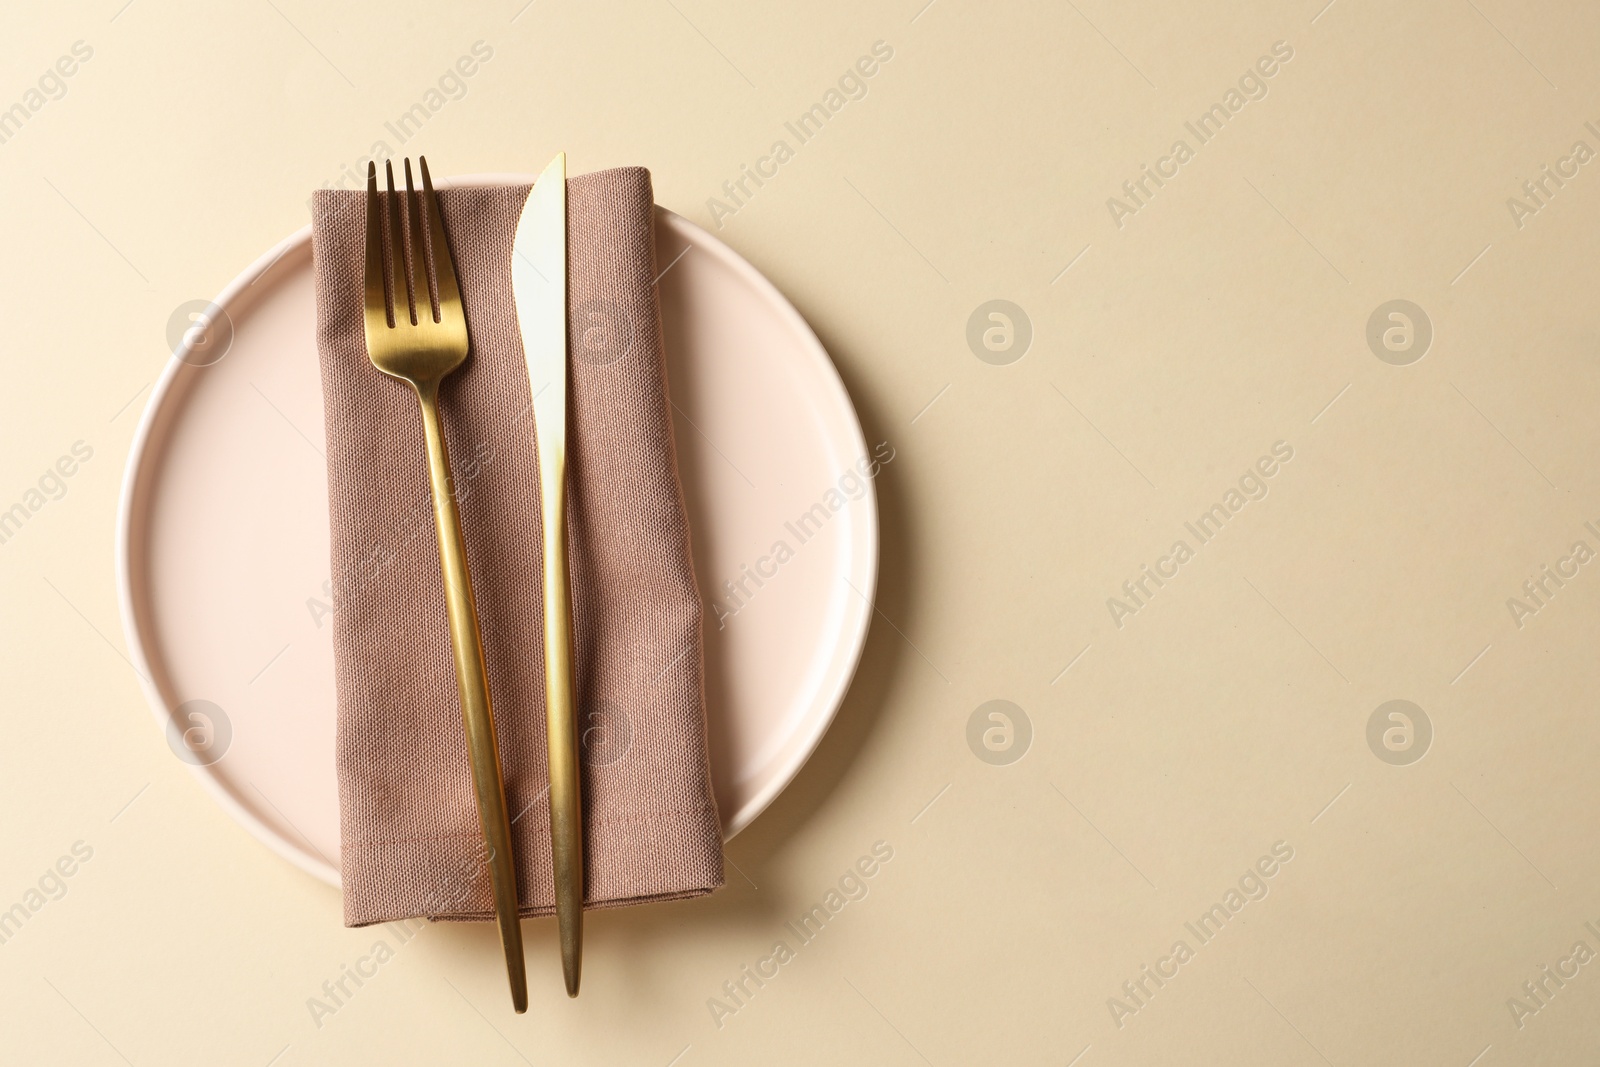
<point x="494" y="548"/>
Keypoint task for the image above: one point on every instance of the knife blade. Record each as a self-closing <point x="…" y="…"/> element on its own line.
<point x="539" y="288"/>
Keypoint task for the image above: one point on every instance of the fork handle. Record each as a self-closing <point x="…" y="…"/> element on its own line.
<point x="477" y="713"/>
<point x="561" y="718"/>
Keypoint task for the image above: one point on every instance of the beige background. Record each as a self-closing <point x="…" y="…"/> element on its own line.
<point x="1228" y="714"/>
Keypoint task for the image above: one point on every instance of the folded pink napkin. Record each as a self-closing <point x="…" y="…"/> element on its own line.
<point x="410" y="837"/>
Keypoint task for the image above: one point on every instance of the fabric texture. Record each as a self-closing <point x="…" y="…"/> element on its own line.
<point x="409" y="830"/>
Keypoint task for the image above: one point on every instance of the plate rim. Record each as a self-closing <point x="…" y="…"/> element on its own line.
<point x="841" y="669"/>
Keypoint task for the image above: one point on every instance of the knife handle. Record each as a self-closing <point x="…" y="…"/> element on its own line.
<point x="477" y="712"/>
<point x="566" y="805"/>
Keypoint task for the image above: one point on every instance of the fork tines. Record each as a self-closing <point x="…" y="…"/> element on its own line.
<point x="397" y="249"/>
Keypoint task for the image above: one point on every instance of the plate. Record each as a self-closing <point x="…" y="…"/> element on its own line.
<point x="223" y="553"/>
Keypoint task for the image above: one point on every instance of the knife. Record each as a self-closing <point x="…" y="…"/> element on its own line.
<point x="539" y="286"/>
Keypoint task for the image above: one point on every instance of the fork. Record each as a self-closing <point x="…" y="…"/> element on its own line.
<point x="421" y="346"/>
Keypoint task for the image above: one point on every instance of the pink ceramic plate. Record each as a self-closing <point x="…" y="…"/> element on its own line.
<point x="222" y="539"/>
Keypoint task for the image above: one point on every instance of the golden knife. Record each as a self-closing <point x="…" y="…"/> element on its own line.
<point x="539" y="285"/>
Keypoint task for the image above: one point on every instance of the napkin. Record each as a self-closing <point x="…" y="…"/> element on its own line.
<point x="411" y="843"/>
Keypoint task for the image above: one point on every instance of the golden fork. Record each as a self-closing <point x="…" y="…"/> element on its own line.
<point x="420" y="347"/>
